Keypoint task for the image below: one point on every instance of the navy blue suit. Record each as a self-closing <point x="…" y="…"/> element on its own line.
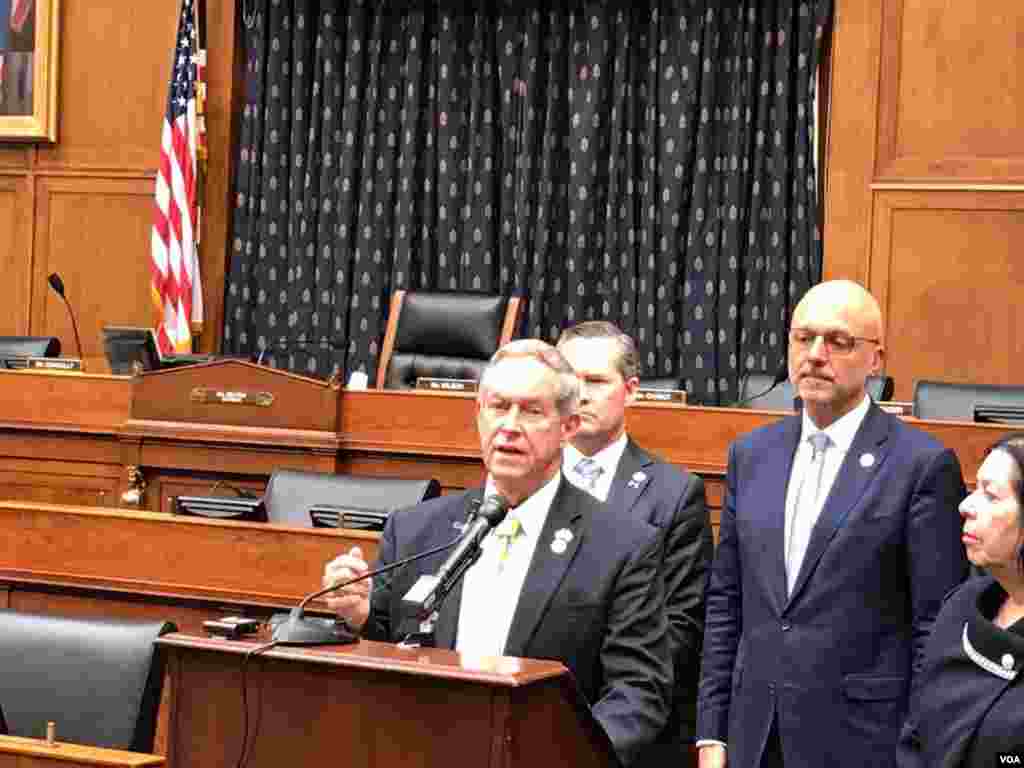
<point x="672" y="499"/>
<point x="833" y="663"/>
<point x="597" y="606"/>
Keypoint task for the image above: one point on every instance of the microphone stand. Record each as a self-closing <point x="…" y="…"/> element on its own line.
<point x="293" y="628"/>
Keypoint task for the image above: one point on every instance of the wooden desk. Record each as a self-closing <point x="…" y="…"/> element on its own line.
<point x="72" y="439"/>
<point x="16" y="752"/>
<point x="79" y="561"/>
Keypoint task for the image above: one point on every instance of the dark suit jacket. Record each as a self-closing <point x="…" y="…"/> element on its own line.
<point x="965" y="716"/>
<point x="834" y="662"/>
<point x="673" y="500"/>
<point x="597" y="607"/>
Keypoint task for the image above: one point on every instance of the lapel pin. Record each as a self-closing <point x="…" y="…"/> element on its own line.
<point x="636" y="479"/>
<point x="563" y="534"/>
<point x="558" y="546"/>
<point x="867" y="460"/>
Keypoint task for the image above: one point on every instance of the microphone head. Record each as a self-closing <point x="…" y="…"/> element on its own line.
<point x="493" y="509"/>
<point x="56" y="283"/>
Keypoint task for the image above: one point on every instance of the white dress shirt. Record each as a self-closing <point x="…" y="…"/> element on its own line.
<point x="490" y="590"/>
<point x="607" y="458"/>
<point x="803" y="473"/>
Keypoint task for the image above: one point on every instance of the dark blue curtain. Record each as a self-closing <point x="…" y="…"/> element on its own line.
<point x="648" y="163"/>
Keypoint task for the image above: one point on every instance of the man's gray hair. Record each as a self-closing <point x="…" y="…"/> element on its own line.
<point x="625" y="362"/>
<point x="567" y="386"/>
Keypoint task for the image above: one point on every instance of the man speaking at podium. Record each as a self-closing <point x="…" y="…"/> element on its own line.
<point x="562" y="577"/>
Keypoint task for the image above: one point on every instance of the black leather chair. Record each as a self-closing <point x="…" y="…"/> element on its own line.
<point x="783" y="396"/>
<point x="99" y="680"/>
<point x="661" y="382"/>
<point x="951" y="401"/>
<point x="17" y="348"/>
<point x="443" y="335"/>
<point x="291" y="495"/>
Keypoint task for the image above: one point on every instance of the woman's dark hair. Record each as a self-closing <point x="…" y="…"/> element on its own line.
<point x="1013" y="446"/>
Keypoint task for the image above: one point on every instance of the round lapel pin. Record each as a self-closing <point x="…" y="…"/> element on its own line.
<point x="867" y="460"/>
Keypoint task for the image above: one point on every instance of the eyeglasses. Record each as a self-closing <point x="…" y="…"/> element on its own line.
<point x="836" y="342"/>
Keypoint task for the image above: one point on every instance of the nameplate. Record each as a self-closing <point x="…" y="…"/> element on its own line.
<point x="211" y="396"/>
<point x="677" y="396"/>
<point x="60" y="364"/>
<point x="446" y="385"/>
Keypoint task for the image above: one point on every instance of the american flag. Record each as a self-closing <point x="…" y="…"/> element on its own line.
<point x="177" y="293"/>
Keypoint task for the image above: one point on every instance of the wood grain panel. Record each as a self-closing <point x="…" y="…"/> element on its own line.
<point x="952" y="100"/>
<point x="948" y="272"/>
<point x="96" y="233"/>
<point x="15" y="254"/>
<point x="115" y="64"/>
<point x="850" y="138"/>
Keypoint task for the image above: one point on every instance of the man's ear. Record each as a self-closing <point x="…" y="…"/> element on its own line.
<point x="879" y="360"/>
<point x="570" y="426"/>
<point x="632" y="385"/>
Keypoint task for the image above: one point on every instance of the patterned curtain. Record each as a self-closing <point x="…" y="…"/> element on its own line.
<point x="648" y="163"/>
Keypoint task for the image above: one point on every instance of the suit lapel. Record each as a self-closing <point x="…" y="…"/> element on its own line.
<point x="547" y="568"/>
<point x="631" y="478"/>
<point x="855" y="474"/>
<point x="448" y="617"/>
<point x="784" y="452"/>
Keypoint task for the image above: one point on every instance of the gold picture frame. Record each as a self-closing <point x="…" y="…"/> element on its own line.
<point x="28" y="76"/>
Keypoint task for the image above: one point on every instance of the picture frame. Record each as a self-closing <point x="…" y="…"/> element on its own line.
<point x="30" y="54"/>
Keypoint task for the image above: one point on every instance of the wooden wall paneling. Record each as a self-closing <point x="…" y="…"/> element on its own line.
<point x="16" y="205"/>
<point x="850" y="138"/>
<point x="91" y="485"/>
<point x="115" y="66"/>
<point x="951" y="103"/>
<point x="947" y="269"/>
<point x="226" y="78"/>
<point x="96" y="233"/>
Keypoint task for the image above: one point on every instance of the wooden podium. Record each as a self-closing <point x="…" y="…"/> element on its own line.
<point x="372" y="705"/>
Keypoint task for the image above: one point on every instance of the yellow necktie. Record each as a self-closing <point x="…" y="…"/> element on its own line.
<point x="507" y="532"/>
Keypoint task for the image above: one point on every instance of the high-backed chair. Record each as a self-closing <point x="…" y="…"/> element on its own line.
<point x="951" y="401"/>
<point x="99" y="680"/>
<point x="291" y="494"/>
<point x="448" y="335"/>
<point x="783" y="396"/>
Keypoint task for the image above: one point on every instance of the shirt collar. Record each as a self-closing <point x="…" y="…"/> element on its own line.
<point x="607" y="458"/>
<point x="533" y="511"/>
<point x="841" y="431"/>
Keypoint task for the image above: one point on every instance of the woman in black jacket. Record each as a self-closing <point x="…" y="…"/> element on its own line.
<point x="969" y="708"/>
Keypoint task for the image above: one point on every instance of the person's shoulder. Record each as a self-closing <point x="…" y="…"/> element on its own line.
<point x="767" y="433"/>
<point x="426" y="511"/>
<point x="911" y="435"/>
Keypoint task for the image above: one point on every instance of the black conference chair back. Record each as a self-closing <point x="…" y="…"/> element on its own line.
<point x="444" y="335"/>
<point x="29" y="346"/>
<point x="951" y="401"/>
<point x="291" y="494"/>
<point x="783" y="396"/>
<point x="98" y="679"/>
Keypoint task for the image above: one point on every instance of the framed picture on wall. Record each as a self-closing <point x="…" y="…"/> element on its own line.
<point x="29" y="47"/>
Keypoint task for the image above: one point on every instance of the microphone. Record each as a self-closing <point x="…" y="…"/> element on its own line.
<point x="58" y="286"/>
<point x="293" y="628"/>
<point x="429" y="592"/>
<point x="780" y="376"/>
